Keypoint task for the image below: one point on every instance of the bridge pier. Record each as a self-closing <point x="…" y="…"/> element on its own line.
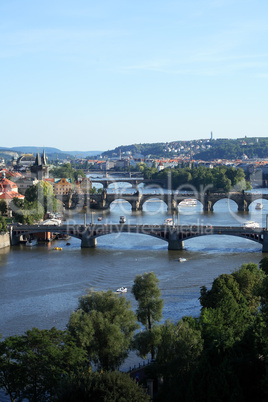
<point x="174" y="243"/>
<point x="88" y="242"/>
<point x="243" y="206"/>
<point x="14" y="239"/>
<point x="265" y="242"/>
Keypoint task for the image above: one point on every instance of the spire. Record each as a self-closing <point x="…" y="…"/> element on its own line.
<point x="44" y="158"/>
<point x="37" y="160"/>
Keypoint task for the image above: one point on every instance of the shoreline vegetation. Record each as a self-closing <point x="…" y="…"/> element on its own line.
<point x="221" y="355"/>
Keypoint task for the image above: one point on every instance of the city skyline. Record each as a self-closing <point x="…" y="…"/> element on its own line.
<point x="86" y="76"/>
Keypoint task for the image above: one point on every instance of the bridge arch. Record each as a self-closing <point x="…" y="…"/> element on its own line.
<point x="121" y="204"/>
<point x="225" y="204"/>
<point x="155" y="202"/>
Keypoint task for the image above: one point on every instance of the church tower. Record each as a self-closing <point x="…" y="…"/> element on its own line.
<point x="40" y="168"/>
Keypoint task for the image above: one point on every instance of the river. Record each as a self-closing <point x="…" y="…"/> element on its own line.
<point x="40" y="287"/>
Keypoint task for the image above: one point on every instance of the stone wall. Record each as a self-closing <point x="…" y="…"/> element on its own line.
<point x="4" y="240"/>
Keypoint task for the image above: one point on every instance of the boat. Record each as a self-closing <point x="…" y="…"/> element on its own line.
<point x="122" y="219"/>
<point x="168" y="222"/>
<point x="121" y="290"/>
<point x="188" y="202"/>
<point x="250" y="224"/>
<point x="31" y="242"/>
<point x="259" y="205"/>
<point x="181" y="259"/>
<point x="99" y="218"/>
<point x="57" y="248"/>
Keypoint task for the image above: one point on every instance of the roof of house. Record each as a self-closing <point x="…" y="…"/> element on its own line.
<point x="10" y="195"/>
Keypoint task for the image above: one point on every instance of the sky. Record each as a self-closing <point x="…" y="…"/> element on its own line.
<point x="93" y="75"/>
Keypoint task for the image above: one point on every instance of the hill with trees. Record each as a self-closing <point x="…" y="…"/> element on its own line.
<point x="203" y="149"/>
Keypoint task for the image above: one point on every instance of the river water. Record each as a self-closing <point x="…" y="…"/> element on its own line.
<point x="40" y="287"/>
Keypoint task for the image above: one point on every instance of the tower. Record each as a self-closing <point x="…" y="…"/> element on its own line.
<point x="40" y="168"/>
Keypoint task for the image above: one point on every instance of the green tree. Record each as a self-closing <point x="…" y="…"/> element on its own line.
<point x="3" y="225"/>
<point x="178" y="353"/>
<point x="26" y="212"/>
<point x="42" y="192"/>
<point x="147" y="293"/>
<point x="264" y="264"/>
<point x="3" y="207"/>
<point x="32" y="365"/>
<point x="104" y="325"/>
<point x="101" y="386"/>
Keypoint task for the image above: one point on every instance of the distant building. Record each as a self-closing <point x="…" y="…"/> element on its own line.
<point x="24" y="161"/>
<point x="62" y="186"/>
<point x="40" y="168"/>
<point x="24" y="183"/>
<point x="9" y="190"/>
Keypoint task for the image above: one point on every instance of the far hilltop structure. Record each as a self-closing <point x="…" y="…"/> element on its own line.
<point x="40" y="168"/>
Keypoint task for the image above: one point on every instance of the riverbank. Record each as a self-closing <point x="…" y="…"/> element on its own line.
<point x="4" y="240"/>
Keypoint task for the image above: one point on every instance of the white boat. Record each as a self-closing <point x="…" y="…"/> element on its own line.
<point x="121" y="290"/>
<point x="31" y="242"/>
<point x="181" y="259"/>
<point x="250" y="224"/>
<point x="259" y="205"/>
<point x="188" y="202"/>
<point x="122" y="219"/>
<point x="168" y="221"/>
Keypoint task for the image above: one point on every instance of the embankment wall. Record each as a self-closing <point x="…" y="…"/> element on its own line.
<point x="4" y="240"/>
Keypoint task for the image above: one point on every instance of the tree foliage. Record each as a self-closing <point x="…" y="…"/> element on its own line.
<point x="32" y="365"/>
<point x="67" y="171"/>
<point x="220" y="178"/>
<point x="104" y="325"/>
<point x="3" y="225"/>
<point x="149" y="311"/>
<point x="3" y="207"/>
<point x="101" y="386"/>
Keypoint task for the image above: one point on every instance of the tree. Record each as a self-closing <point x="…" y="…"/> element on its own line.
<point x="150" y="306"/>
<point x="27" y="212"/>
<point x="264" y="264"/>
<point x="104" y="326"/>
<point x="42" y="192"/>
<point x="101" y="386"/>
<point x="3" y="225"/>
<point x="3" y="207"/>
<point x="178" y="353"/>
<point x="32" y="365"/>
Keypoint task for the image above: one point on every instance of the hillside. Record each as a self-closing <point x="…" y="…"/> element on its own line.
<point x="203" y="149"/>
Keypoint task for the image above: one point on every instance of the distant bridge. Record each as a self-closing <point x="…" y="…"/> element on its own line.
<point x="174" y="235"/>
<point x="171" y="199"/>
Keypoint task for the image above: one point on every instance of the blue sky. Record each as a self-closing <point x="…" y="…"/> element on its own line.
<point x="88" y="75"/>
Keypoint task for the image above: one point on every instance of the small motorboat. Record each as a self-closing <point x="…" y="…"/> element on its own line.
<point x="250" y="224"/>
<point x="259" y="205"/>
<point x="31" y="242"/>
<point x="122" y="219"/>
<point x="99" y="218"/>
<point x="168" y="222"/>
<point x="181" y="259"/>
<point x="121" y="290"/>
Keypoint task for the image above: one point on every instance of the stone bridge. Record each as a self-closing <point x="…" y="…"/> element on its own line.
<point x="172" y="200"/>
<point x="174" y="235"/>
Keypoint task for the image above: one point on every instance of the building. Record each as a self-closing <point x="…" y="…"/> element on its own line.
<point x="24" y="183"/>
<point x="9" y="190"/>
<point x="40" y="168"/>
<point x="62" y="186"/>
